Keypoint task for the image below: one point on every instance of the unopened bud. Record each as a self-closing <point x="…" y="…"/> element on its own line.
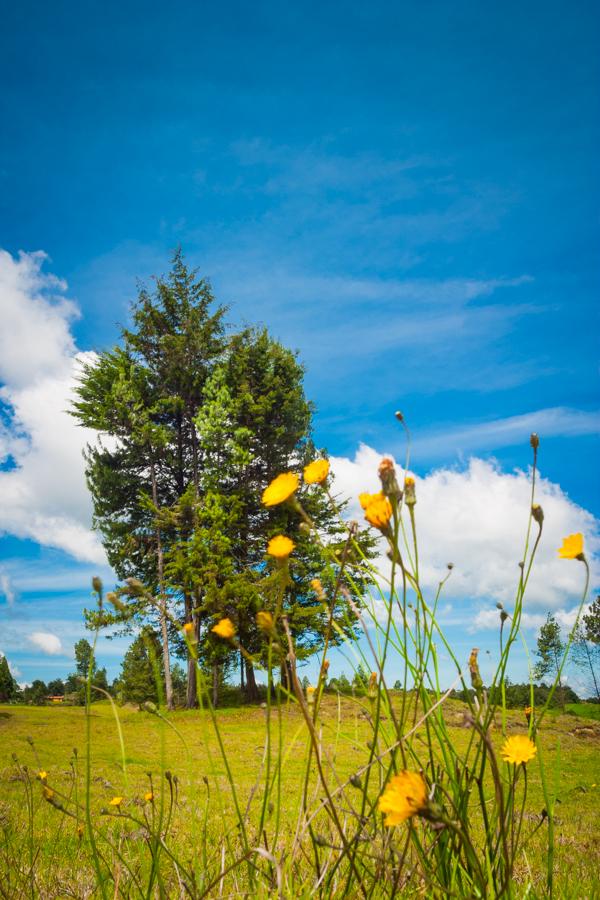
<point x="503" y="616"/>
<point x="304" y="527"/>
<point x="410" y="494"/>
<point x="450" y="566"/>
<point x="389" y="482"/>
<point x="499" y="605"/>
<point x="97" y="584"/>
<point x="538" y="513"/>
<point x="399" y="415"/>
<point x="355" y="781"/>
<point x="534" y="440"/>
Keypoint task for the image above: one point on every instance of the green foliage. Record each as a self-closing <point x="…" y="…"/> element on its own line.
<point x="550" y="647"/>
<point x="202" y="424"/>
<point x="141" y="669"/>
<point x="8" y="685"/>
<point x="591" y="622"/>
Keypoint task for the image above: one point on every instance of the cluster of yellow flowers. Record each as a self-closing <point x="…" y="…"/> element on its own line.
<point x="285" y="485"/>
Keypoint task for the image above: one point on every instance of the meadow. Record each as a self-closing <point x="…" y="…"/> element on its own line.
<point x="44" y="738"/>
<point x="402" y="792"/>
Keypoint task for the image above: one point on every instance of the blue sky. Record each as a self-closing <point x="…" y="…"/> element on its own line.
<point x="406" y="193"/>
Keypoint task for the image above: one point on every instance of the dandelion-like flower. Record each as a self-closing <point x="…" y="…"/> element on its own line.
<point x="316" y="472"/>
<point x="43" y="776"/>
<point x="365" y="498"/>
<point x="572" y="547"/>
<point x="224" y="629"/>
<point x="188" y="629"/>
<point x="116" y="801"/>
<point x="405" y="796"/>
<point x="48" y="793"/>
<point x="317" y="588"/>
<point x="280" y="489"/>
<point x="378" y="511"/>
<point x="280" y="546"/>
<point x="518" y="749"/>
<point x="264" y="620"/>
<point x="149" y="796"/>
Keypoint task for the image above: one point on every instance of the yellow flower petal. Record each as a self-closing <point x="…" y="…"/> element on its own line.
<point x="280" y="547"/>
<point x="518" y="749"/>
<point x="316" y="472"/>
<point x="116" y="801"/>
<point x="405" y="796"/>
<point x="280" y="489"/>
<point x="379" y="512"/>
<point x="572" y="547"/>
<point x="225" y="629"/>
<point x="264" y="620"/>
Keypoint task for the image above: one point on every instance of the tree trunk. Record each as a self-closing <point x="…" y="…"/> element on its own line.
<point x="191" y="693"/>
<point x="591" y="665"/>
<point x="242" y="682"/>
<point x="251" y="686"/>
<point x="162" y="599"/>
<point x="191" y="698"/>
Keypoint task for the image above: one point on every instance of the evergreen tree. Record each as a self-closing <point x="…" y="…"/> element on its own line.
<point x="201" y="426"/>
<point x="146" y="394"/>
<point x="8" y="685"/>
<point x="141" y="669"/>
<point x="586" y="646"/>
<point x="591" y="622"/>
<point x="85" y="665"/>
<point x="550" y="648"/>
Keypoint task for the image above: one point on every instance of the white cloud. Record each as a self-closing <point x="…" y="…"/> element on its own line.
<point x="557" y="421"/>
<point x="47" y="642"/>
<point x="6" y="588"/>
<point x="44" y="495"/>
<point x="476" y="517"/>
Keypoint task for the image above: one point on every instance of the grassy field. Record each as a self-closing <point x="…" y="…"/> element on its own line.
<point x="45" y="843"/>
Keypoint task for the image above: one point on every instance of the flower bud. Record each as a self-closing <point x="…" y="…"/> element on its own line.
<point x="410" y="495"/>
<point x="538" y="513"/>
<point x="389" y="482"/>
<point x="534" y="440"/>
<point x="97" y="584"/>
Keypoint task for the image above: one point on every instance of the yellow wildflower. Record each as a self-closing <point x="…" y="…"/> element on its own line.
<point x="365" y="499"/>
<point x="149" y="796"/>
<point x="48" y="793"/>
<point x="316" y="472"/>
<point x="116" y="801"/>
<point x="280" y="547"/>
<point x="224" y="629"/>
<point x="572" y="547"/>
<point x="42" y="775"/>
<point x="189" y="629"/>
<point x="378" y="510"/>
<point x="404" y="797"/>
<point x="317" y="588"/>
<point x="264" y="620"/>
<point x="280" y="489"/>
<point x="518" y="749"/>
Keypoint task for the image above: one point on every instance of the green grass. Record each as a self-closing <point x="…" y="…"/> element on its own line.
<point x="55" y="731"/>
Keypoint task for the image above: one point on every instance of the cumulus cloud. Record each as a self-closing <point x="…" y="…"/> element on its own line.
<point x="47" y="642"/>
<point x="476" y="518"/>
<point x="44" y="496"/>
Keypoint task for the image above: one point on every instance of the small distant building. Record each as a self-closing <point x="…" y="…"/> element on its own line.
<point x="56" y="698"/>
